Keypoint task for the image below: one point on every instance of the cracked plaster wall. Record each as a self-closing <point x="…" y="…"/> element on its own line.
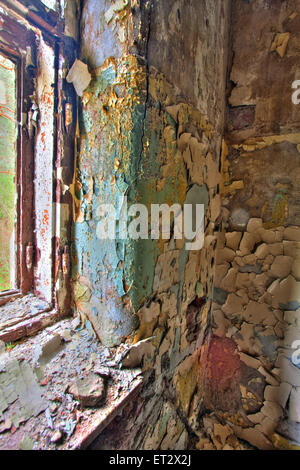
<point x="256" y="298"/>
<point x="235" y="386"/>
<point x="151" y="129"/>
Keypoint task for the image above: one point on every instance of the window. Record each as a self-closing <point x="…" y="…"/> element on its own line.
<point x="8" y="196"/>
<point x="29" y="213"/>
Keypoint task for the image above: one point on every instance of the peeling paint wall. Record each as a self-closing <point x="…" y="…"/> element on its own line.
<point x="111" y="131"/>
<point x="154" y="134"/>
<point x="154" y="126"/>
<point x="256" y="300"/>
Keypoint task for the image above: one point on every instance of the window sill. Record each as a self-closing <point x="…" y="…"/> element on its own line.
<point x="8" y="296"/>
<point x="28" y="326"/>
<point x="23" y="316"/>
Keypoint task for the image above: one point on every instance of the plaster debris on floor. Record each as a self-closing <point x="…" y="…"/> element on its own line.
<point x="53" y="383"/>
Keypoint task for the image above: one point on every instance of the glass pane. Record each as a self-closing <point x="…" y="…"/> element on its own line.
<point x="7" y="172"/>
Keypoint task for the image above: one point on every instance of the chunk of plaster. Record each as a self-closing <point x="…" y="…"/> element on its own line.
<point x="133" y="357"/>
<point x="80" y="76"/>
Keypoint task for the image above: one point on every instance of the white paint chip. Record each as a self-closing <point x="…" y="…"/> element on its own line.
<point x="80" y="76"/>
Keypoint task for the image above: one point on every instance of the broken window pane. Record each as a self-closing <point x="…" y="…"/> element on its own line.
<point x="7" y="172"/>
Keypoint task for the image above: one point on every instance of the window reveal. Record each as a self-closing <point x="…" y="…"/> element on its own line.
<point x="46" y="111"/>
<point x="31" y="222"/>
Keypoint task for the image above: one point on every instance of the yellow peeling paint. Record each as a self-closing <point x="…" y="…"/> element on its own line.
<point x="279" y="213"/>
<point x="186" y="386"/>
<point x="78" y="215"/>
<point x="281" y="443"/>
<point x="280" y="43"/>
<point x="225" y="177"/>
<point x="205" y="314"/>
<point x="236" y="185"/>
<point x="293" y="16"/>
<point x="148" y="317"/>
<point x="259" y="143"/>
